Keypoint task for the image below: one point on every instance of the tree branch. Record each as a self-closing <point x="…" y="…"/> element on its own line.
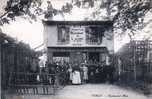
<point x="4" y="14"/>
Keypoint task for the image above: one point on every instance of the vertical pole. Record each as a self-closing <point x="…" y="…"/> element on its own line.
<point x="0" y="69"/>
<point x="134" y="59"/>
<point x="2" y="94"/>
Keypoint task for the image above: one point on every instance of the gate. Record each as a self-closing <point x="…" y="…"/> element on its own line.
<point x="35" y="83"/>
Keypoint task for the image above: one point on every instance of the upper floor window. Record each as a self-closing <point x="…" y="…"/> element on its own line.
<point x="94" y="35"/>
<point x="63" y="34"/>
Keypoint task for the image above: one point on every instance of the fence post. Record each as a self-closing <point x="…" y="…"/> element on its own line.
<point x="2" y="94"/>
<point x="0" y="69"/>
<point x="134" y="58"/>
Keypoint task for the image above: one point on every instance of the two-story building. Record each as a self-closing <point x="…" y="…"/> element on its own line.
<point x="78" y="41"/>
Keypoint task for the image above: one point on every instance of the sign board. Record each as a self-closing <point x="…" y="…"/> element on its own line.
<point x="77" y="35"/>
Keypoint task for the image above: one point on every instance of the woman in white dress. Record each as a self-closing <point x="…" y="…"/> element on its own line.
<point x="76" y="79"/>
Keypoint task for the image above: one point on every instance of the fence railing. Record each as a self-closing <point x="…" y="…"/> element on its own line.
<point x="35" y="83"/>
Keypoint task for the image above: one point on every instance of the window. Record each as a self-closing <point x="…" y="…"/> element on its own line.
<point x="61" y="57"/>
<point x="63" y="34"/>
<point x="94" y="35"/>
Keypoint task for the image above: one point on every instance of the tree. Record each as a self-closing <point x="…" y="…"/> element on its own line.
<point x="131" y="14"/>
<point x="126" y="14"/>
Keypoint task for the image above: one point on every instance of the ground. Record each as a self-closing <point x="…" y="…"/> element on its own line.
<point x="89" y="91"/>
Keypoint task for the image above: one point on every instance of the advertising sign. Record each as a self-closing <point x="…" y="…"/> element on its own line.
<point x="77" y="36"/>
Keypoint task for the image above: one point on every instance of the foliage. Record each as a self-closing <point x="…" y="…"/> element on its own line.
<point x="129" y="14"/>
<point x="18" y="8"/>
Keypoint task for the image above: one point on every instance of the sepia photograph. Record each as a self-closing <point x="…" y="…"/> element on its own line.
<point x="76" y="49"/>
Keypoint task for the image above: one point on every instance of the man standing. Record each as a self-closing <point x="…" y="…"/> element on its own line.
<point x="70" y="74"/>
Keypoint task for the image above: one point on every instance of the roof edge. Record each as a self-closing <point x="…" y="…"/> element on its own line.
<point x="48" y="22"/>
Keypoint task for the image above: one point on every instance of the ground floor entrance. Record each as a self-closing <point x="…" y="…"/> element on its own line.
<point x="71" y="59"/>
<point x="94" y="56"/>
<point x="77" y="54"/>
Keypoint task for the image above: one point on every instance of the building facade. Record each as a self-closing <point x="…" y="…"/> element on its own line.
<point x="78" y="41"/>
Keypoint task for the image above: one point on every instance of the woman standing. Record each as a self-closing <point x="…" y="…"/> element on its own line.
<point x="76" y="79"/>
<point x="85" y="73"/>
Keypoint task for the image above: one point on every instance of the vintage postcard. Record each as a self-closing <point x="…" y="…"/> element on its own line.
<point x="76" y="49"/>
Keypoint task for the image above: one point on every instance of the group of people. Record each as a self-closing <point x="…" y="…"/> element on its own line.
<point x="82" y="73"/>
<point x="78" y="75"/>
<point x="72" y="74"/>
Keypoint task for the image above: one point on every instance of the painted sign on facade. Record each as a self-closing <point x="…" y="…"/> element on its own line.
<point x="77" y="36"/>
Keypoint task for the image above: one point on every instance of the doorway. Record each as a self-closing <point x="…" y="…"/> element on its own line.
<point x="94" y="56"/>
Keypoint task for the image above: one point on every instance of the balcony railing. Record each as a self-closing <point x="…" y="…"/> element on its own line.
<point x="63" y="43"/>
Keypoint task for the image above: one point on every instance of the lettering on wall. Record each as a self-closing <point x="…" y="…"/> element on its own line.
<point x="77" y="35"/>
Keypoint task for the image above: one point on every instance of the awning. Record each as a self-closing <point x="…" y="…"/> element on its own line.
<point x="78" y="49"/>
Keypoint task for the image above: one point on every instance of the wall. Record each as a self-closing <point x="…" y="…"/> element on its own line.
<point x="51" y="34"/>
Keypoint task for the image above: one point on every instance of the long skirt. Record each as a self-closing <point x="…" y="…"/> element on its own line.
<point x="85" y="75"/>
<point x="76" y="79"/>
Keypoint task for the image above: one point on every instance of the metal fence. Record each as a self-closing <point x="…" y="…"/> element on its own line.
<point x="35" y="83"/>
<point x="136" y="59"/>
